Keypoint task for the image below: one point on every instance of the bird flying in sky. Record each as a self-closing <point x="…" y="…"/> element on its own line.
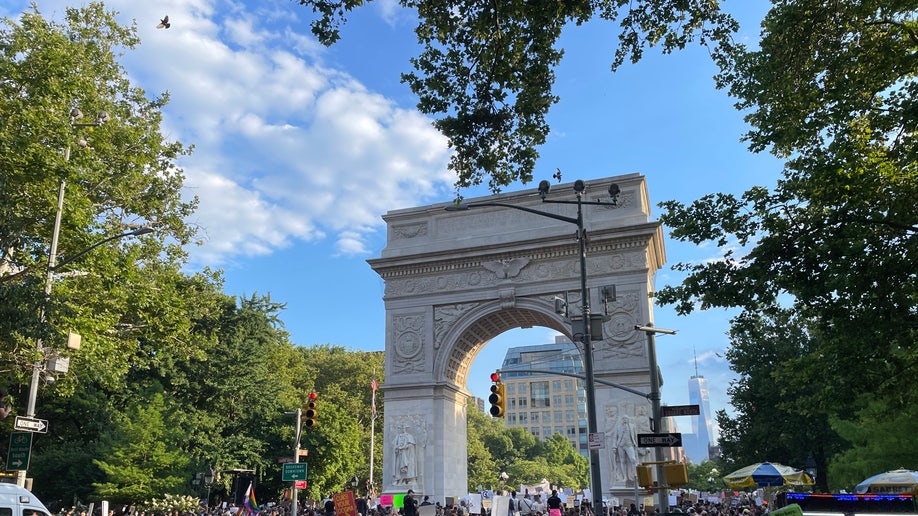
<point x="164" y="23"/>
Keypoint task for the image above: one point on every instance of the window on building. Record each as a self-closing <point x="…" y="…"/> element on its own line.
<point x="511" y="388"/>
<point x="569" y="416"/>
<point x="546" y="432"/>
<point x="568" y="399"/>
<point x="538" y="394"/>
<point x="524" y="418"/>
<point x="558" y="417"/>
<point x="556" y="400"/>
<point x="511" y="419"/>
<point x="546" y="416"/>
<point x="511" y="404"/>
<point x="534" y="431"/>
<point x="556" y="385"/>
<point x="571" y="431"/>
<point x="523" y="402"/>
<point x="534" y="417"/>
<point x="522" y="388"/>
<point x="568" y="385"/>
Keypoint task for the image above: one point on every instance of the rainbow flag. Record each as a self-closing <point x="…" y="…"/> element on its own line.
<point x="250" y="505"/>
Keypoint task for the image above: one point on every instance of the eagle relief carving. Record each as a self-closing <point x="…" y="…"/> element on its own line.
<point x="507" y="268"/>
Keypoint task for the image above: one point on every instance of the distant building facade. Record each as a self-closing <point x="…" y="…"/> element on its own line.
<point x="546" y="403"/>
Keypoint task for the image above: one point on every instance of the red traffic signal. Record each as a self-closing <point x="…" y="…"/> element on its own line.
<point x="311" y="412"/>
<point x="497" y="398"/>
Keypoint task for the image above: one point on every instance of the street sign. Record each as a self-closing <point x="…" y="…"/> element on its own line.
<point x="31" y="424"/>
<point x="597" y="440"/>
<point x="670" y="440"/>
<point x="285" y="460"/>
<point x="20" y="448"/>
<point x="293" y="472"/>
<point x="299" y="484"/>
<point x="681" y="410"/>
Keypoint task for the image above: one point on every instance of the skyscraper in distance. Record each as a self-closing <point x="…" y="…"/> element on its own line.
<point x="696" y="447"/>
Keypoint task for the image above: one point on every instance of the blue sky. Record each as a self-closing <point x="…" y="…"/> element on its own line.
<point x="299" y="150"/>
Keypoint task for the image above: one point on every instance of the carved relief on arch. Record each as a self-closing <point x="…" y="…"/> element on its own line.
<point x="409" y="343"/>
<point x="620" y="339"/>
<point x="445" y="317"/>
<point x="408" y="231"/>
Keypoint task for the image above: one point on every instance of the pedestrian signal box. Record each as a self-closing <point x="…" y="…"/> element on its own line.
<point x="644" y="475"/>
<point x="676" y="474"/>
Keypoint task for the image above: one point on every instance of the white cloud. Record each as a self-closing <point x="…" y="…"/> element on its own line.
<point x="286" y="149"/>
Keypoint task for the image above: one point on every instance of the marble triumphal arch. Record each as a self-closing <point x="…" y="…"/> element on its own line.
<point x="455" y="280"/>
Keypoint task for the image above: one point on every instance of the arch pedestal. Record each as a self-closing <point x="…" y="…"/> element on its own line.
<point x="455" y="280"/>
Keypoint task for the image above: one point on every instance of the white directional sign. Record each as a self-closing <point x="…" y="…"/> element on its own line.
<point x="597" y="440"/>
<point x="31" y="424"/>
<point x="660" y="440"/>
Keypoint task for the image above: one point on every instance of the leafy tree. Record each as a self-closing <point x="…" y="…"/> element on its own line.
<point x="705" y="477"/>
<point x="483" y="470"/>
<point x="117" y="175"/>
<point x="880" y="438"/>
<point x="832" y="89"/>
<point x="568" y="467"/>
<point x="776" y="419"/>
<point x="486" y="70"/>
<point x="139" y="456"/>
<point x="342" y="379"/>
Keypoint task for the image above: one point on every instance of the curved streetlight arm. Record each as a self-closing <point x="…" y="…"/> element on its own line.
<point x="465" y="207"/>
<point x="52" y="268"/>
<point x="135" y="232"/>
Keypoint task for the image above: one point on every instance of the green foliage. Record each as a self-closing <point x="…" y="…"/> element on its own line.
<point x="117" y="176"/>
<point x="516" y="452"/>
<point x="483" y="469"/>
<point x="706" y="477"/>
<point x="881" y="437"/>
<point x="138" y="455"/>
<point x="486" y="70"/>
<point x="832" y="88"/>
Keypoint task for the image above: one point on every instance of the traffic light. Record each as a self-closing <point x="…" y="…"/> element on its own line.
<point x="676" y="474"/>
<point x="644" y="476"/>
<point x="498" y="398"/>
<point x="311" y="414"/>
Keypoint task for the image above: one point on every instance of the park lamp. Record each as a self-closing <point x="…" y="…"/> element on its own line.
<point x="586" y="335"/>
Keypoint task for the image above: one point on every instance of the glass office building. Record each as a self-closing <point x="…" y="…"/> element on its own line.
<point x="540" y="399"/>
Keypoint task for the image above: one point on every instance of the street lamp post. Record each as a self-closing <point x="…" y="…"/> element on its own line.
<point x="38" y="366"/>
<point x="656" y="408"/>
<point x="209" y="483"/>
<point x="586" y="336"/>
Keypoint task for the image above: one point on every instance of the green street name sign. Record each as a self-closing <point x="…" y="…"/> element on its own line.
<point x="20" y="448"/>
<point x="294" y="472"/>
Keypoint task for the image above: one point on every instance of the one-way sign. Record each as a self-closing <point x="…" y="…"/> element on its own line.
<point x="670" y="440"/>
<point x="31" y="424"/>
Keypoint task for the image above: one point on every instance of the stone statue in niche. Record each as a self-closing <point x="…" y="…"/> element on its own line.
<point x="408" y="452"/>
